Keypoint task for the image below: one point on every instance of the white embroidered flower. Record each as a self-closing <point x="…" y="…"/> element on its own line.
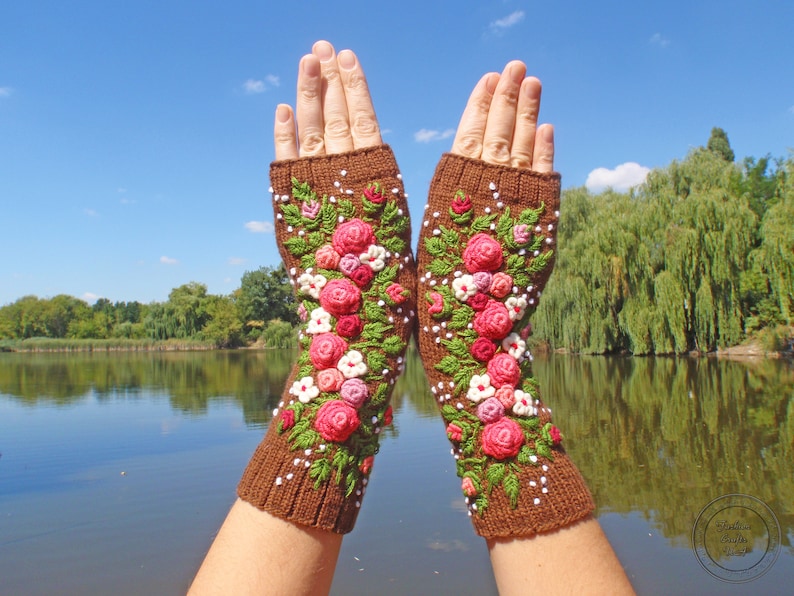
<point x="319" y="322"/>
<point x="311" y="284"/>
<point x="375" y="257"/>
<point x="352" y="365"/>
<point x="516" y="307"/>
<point x="515" y="346"/>
<point x="524" y="405"/>
<point x="305" y="390"/>
<point x="480" y="388"/>
<point x="464" y="287"/>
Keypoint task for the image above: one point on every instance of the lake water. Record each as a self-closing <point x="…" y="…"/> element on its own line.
<point x="117" y="469"/>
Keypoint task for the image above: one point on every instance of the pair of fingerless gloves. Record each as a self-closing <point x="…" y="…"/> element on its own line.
<point x="486" y="250"/>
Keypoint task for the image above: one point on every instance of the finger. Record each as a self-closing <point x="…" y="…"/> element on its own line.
<point x="498" y="136"/>
<point x="360" y="111"/>
<point x="471" y="129"/>
<point x="543" y="157"/>
<point x="284" y="138"/>
<point x="309" y="107"/>
<point x="336" y="127"/>
<point x="526" y="123"/>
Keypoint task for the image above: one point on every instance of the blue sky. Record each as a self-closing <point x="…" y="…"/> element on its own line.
<point x="135" y="136"/>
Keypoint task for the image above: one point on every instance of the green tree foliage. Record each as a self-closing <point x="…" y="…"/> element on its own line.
<point x="719" y="144"/>
<point x="265" y="295"/>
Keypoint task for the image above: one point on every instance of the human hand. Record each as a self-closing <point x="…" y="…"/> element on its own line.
<point x="333" y="107"/>
<point x="500" y="122"/>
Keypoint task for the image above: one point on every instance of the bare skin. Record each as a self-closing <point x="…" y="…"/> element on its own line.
<point x="256" y="553"/>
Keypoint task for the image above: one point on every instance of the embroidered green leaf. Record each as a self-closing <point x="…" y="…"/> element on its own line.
<point x="468" y="335"/>
<point x="544" y="450"/>
<point x="393" y="345"/>
<point x="387" y="275"/>
<point x="540" y="262"/>
<point x="292" y="214"/>
<point x="525" y="455"/>
<point x="515" y="265"/>
<point x="375" y="330"/>
<point x="505" y="225"/>
<point x="302" y="191"/>
<point x="376" y="362"/>
<point x="435" y="247"/>
<point x="374" y="313"/>
<point x="531" y="216"/>
<point x="346" y="209"/>
<point x="530" y="424"/>
<point x="379" y="396"/>
<point x="482" y="223"/>
<point x="352" y="480"/>
<point x="450" y="237"/>
<point x="308" y="261"/>
<point x="340" y="462"/>
<point x="401" y="224"/>
<point x="394" y="245"/>
<point x="328" y="218"/>
<point x="450" y="413"/>
<point x="521" y="279"/>
<point x="482" y="504"/>
<point x="461" y="219"/>
<point x="305" y="371"/>
<point x="440" y="267"/>
<point x="449" y="365"/>
<point x="456" y="347"/>
<point x="315" y="240"/>
<point x="512" y="487"/>
<point x="297" y="246"/>
<point x="495" y="474"/>
<point x="390" y="212"/>
<point x="462" y="379"/>
<point x="461" y="317"/>
<point x="304" y="440"/>
<point x="320" y="470"/>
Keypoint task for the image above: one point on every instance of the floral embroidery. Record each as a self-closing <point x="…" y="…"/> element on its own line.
<point x="349" y="258"/>
<point x="479" y="276"/>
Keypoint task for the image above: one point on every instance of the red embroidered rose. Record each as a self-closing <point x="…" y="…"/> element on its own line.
<point x="329" y="379"/>
<point x="492" y="322"/>
<point x="366" y="465"/>
<point x="336" y="421"/>
<point x="437" y="304"/>
<point x="502" y="439"/>
<point x="461" y="204"/>
<point x="468" y="488"/>
<point x="287" y="419"/>
<point x="490" y="410"/>
<point x="454" y="432"/>
<point x="478" y="302"/>
<point x="503" y="370"/>
<point x="340" y="297"/>
<point x="326" y="350"/>
<point x="349" y="326"/>
<point x="397" y="293"/>
<point x="326" y="257"/>
<point x="353" y="236"/>
<point x="482" y="349"/>
<point x="501" y="285"/>
<point x="388" y="416"/>
<point x="506" y="395"/>
<point x="556" y="435"/>
<point x="482" y="253"/>
<point x="362" y="276"/>
<point x="374" y="193"/>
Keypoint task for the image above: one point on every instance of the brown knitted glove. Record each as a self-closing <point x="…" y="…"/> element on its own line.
<point x="485" y="252"/>
<point x="343" y="231"/>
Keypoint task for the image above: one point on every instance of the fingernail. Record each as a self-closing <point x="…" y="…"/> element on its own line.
<point x="517" y="71"/>
<point x="311" y="65"/>
<point x="491" y="81"/>
<point x="324" y="51"/>
<point x="347" y="59"/>
<point x="282" y="113"/>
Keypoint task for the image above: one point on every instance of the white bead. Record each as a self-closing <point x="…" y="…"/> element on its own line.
<point x="279" y="481"/>
<point x="290" y="476"/>
<point x="343" y="173"/>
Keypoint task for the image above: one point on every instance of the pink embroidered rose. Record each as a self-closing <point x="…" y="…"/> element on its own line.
<point x="326" y="350"/>
<point x="353" y="236"/>
<point x="388" y="416"/>
<point x="482" y="279"/>
<point x="482" y="253"/>
<point x="362" y="276"/>
<point x="501" y="285"/>
<point x="326" y="257"/>
<point x="329" y="379"/>
<point x="349" y="263"/>
<point x="366" y="465"/>
<point x="461" y="204"/>
<point x="506" y="395"/>
<point x="354" y="392"/>
<point x="287" y="419"/>
<point x="454" y="432"/>
<point x="526" y="331"/>
<point x="478" y="302"/>
<point x="396" y="293"/>
<point x="492" y="322"/>
<point x="302" y="313"/>
<point x="556" y="435"/>
<point x="521" y="233"/>
<point x="503" y="370"/>
<point x="502" y="439"/>
<point x="336" y="421"/>
<point x="374" y="193"/>
<point x="468" y="488"/>
<point x="437" y="304"/>
<point x="482" y="349"/>
<point x="340" y="297"/>
<point x="349" y="326"/>
<point x="310" y="209"/>
<point x="490" y="410"/>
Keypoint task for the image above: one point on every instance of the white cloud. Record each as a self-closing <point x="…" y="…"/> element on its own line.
<point x="236" y="261"/>
<point x="5" y="91"/>
<point x="126" y="201"/>
<point x="168" y="261"/>
<point x="90" y="297"/>
<point x="259" y="227"/>
<point x="621" y="178"/>
<point x="426" y="136"/>
<point x="657" y="40"/>
<point x="254" y="86"/>
<point x="791" y="109"/>
<point x="513" y="18"/>
<point x="90" y="212"/>
<point x="272" y="80"/>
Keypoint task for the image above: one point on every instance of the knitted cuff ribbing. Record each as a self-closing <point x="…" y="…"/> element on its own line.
<point x="486" y="250"/>
<point x="343" y="231"/>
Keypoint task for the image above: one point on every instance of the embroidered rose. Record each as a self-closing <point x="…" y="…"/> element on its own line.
<point x="354" y="392"/>
<point x="311" y="284"/>
<point x="374" y="193"/>
<point x="464" y="287"/>
<point x="555" y="434"/>
<point x="503" y="370"/>
<point x="340" y="297"/>
<point x="490" y="410"/>
<point x="305" y="390"/>
<point x="478" y="302"/>
<point x="352" y="364"/>
<point x="326" y="257"/>
<point x="461" y="204"/>
<point x="329" y="379"/>
<point x="482" y="253"/>
<point x="396" y="293"/>
<point x="375" y="257"/>
<point x="482" y="279"/>
<point x="501" y="285"/>
<point x="515" y="346"/>
<point x="319" y="322"/>
<point x="526" y="331"/>
<point x="326" y="349"/>
<point x="437" y="304"/>
<point x="310" y="209"/>
<point x="353" y="236"/>
<point x="467" y="486"/>
<point x="349" y="263"/>
<point x="521" y="233"/>
<point x="302" y="312"/>
<point x="523" y="405"/>
<point x="502" y="439"/>
<point x="349" y="326"/>
<point x="287" y="419"/>
<point x="493" y="321"/>
<point x="366" y="465"/>
<point x="362" y="276"/>
<point x="482" y="349"/>
<point x="388" y="416"/>
<point x="454" y="432"/>
<point x="506" y="395"/>
<point x="336" y="421"/>
<point x="480" y="388"/>
<point x="516" y="306"/>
